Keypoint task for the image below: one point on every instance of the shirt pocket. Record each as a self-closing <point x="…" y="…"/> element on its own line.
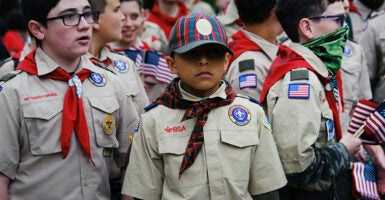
<point x="238" y="149"/>
<point x="103" y="110"/>
<point x="43" y="121"/>
<point x="172" y="149"/>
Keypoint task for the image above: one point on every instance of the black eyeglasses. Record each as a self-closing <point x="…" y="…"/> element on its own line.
<point x="340" y="18"/>
<point x="74" y="18"/>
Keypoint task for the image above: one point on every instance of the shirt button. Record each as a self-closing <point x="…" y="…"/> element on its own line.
<point x="86" y="183"/>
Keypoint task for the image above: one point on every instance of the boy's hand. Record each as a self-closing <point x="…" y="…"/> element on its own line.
<point x="352" y="144"/>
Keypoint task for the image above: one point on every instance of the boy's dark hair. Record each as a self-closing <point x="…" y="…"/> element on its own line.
<point x="290" y="12"/>
<point x="148" y="4"/>
<point x="252" y="11"/>
<point x="15" y="20"/>
<point x="140" y="2"/>
<point x="37" y="10"/>
<point x="98" y="5"/>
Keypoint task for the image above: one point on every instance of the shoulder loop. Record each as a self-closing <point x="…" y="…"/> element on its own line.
<point x="300" y="74"/>
<point x="151" y="106"/>
<point x="5" y="61"/>
<point x="101" y="66"/>
<point x="249" y="98"/>
<point x="8" y="77"/>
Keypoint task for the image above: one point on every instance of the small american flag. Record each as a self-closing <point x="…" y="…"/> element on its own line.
<point x="299" y="91"/>
<point x="375" y="124"/>
<point x="135" y="55"/>
<point x="248" y="81"/>
<point x="155" y="65"/>
<point x="364" y="179"/>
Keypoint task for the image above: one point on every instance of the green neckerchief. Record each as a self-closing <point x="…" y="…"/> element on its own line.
<point x="330" y="48"/>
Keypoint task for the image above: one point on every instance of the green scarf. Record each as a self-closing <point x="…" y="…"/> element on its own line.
<point x="330" y="48"/>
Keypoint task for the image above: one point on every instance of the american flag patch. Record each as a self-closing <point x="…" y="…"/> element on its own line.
<point x="299" y="91"/>
<point x="248" y="81"/>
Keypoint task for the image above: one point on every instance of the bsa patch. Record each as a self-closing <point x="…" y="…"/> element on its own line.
<point x="204" y="27"/>
<point x="347" y="51"/>
<point x="108" y="124"/>
<point x="97" y="79"/>
<point x="299" y="91"/>
<point x="239" y="115"/>
<point x="247" y="81"/>
<point x="120" y="66"/>
<point x="266" y="123"/>
<point x="330" y="129"/>
<point x="107" y="153"/>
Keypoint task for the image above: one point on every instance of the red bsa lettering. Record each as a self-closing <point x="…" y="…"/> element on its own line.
<point x="175" y="129"/>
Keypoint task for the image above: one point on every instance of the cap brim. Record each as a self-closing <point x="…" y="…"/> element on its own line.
<point x="190" y="46"/>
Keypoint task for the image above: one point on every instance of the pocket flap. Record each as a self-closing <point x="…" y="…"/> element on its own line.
<point x="105" y="104"/>
<point x="240" y="138"/>
<point x="43" y="110"/>
<point x="173" y="145"/>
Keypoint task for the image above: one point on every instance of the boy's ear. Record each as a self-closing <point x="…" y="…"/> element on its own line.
<point x="36" y="29"/>
<point x="171" y="65"/>
<point x="305" y="29"/>
<point x="227" y="61"/>
<point x="95" y="26"/>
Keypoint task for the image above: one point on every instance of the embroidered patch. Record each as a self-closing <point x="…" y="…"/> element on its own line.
<point x="239" y="115"/>
<point x="330" y="129"/>
<point x="97" y="79"/>
<point x="266" y="123"/>
<point x="174" y="129"/>
<point x="347" y="51"/>
<point x="204" y="27"/>
<point x="299" y="75"/>
<point x="120" y="66"/>
<point x="107" y="153"/>
<point x="246" y="65"/>
<point x="108" y="124"/>
<point x="299" y="91"/>
<point x="248" y="81"/>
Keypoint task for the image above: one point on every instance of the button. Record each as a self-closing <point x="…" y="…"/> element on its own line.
<point x="86" y="183"/>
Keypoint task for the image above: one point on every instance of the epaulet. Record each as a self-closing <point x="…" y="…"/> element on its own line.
<point x="151" y="106"/>
<point x="5" y="61"/>
<point x="300" y="74"/>
<point x="117" y="52"/>
<point x="101" y="66"/>
<point x="249" y="98"/>
<point x="8" y="77"/>
<point x="374" y="14"/>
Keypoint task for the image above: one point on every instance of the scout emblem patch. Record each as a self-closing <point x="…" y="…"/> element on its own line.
<point x="120" y="66"/>
<point x="347" y="51"/>
<point x="330" y="129"/>
<point x="248" y="81"/>
<point x="299" y="91"/>
<point x="266" y="123"/>
<point x="204" y="27"/>
<point x="239" y="115"/>
<point x="108" y="124"/>
<point x="97" y="79"/>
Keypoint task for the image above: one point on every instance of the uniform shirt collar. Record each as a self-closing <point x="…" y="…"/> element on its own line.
<point x="268" y="48"/>
<point x="221" y="93"/>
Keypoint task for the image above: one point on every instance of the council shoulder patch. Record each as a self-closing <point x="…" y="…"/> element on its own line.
<point x="239" y="115"/>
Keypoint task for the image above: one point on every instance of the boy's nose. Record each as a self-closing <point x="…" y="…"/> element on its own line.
<point x="203" y="60"/>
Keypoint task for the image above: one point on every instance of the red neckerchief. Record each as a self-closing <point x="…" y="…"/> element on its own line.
<point x="165" y="21"/>
<point x="73" y="111"/>
<point x="353" y="8"/>
<point x="287" y="60"/>
<point x="106" y="62"/>
<point x="241" y="43"/>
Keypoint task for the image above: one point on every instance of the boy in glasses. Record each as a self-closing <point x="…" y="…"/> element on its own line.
<point x="62" y="111"/>
<point x="303" y="98"/>
<point x="213" y="144"/>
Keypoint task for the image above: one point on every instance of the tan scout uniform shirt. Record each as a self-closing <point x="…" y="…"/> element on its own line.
<point x="130" y="76"/>
<point x="373" y="44"/>
<point x="360" y="20"/>
<point x="298" y="124"/>
<point x="234" y="162"/>
<point x="262" y="61"/>
<point x="30" y="150"/>
<point x="7" y="66"/>
<point x="201" y="7"/>
<point x="228" y="19"/>
<point x="355" y="80"/>
<point x="154" y="36"/>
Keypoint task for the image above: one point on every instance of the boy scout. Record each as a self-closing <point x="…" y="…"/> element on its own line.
<point x="213" y="144"/>
<point x="108" y="29"/>
<point x="302" y="97"/>
<point x="62" y="111"/>
<point x="254" y="46"/>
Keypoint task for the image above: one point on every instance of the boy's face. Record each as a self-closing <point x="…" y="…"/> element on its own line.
<point x="59" y="40"/>
<point x="111" y="22"/>
<point x="326" y="25"/>
<point x="133" y="22"/>
<point x="200" y="69"/>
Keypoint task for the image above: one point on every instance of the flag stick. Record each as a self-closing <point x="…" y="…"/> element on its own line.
<point x="359" y="132"/>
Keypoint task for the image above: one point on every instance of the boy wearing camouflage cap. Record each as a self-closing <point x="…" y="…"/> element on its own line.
<point x="213" y="144"/>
